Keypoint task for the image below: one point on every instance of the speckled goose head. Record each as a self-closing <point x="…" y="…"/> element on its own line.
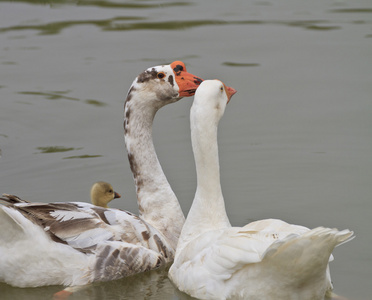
<point x="163" y="85"/>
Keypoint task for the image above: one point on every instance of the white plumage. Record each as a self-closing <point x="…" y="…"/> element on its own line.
<point x="267" y="259"/>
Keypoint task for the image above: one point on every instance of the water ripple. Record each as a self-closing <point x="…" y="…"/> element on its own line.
<point x="352" y="10"/>
<point x="82" y="156"/>
<point x="125" y="24"/>
<point x="105" y="4"/>
<point x="54" y="149"/>
<point x="61" y="95"/>
<point x="234" y="64"/>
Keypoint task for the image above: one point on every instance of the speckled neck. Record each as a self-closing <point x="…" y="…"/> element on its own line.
<point x="158" y="205"/>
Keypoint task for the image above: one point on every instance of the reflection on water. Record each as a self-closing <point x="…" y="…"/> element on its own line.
<point x="95" y="102"/>
<point x="352" y="10"/>
<point x="83" y="156"/>
<point x="124" y="24"/>
<point x="153" y="285"/>
<point x="56" y="95"/>
<point x="54" y="149"/>
<point x="57" y="27"/>
<point x="57" y="149"/>
<point x="103" y="4"/>
<point x="9" y="293"/>
<point x="235" y="64"/>
<point x="61" y="95"/>
<point x="150" y="285"/>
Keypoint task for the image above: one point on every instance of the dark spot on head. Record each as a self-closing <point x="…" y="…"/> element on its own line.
<point x="147" y="75"/>
<point x="190" y="92"/>
<point x="178" y="69"/>
<point x="198" y="80"/>
<point x="170" y="79"/>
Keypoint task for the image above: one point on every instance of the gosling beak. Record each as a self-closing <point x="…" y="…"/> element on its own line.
<point x="116" y="195"/>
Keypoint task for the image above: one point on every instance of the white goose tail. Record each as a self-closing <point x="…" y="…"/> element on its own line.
<point x="302" y="261"/>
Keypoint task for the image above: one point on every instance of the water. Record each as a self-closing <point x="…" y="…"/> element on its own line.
<point x="295" y="142"/>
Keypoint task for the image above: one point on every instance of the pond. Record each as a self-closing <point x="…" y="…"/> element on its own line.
<point x="295" y="142"/>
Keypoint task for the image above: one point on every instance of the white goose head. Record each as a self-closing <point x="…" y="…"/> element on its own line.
<point x="102" y="193"/>
<point x="211" y="99"/>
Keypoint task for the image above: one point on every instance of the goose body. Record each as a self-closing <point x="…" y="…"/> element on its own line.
<point x="77" y="243"/>
<point x="267" y="259"/>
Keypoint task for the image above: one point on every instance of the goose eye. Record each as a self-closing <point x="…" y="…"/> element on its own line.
<point x="161" y="75"/>
<point x="110" y="191"/>
<point x="221" y="88"/>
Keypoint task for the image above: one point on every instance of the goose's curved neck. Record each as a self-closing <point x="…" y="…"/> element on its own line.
<point x="158" y="205"/>
<point x="208" y="209"/>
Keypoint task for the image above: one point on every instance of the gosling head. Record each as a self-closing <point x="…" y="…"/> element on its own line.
<point x="102" y="193"/>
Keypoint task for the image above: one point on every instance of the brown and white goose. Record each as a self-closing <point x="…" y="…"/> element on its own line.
<point x="76" y="243"/>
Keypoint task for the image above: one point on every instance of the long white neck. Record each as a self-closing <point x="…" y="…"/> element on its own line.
<point x="208" y="209"/>
<point x="158" y="205"/>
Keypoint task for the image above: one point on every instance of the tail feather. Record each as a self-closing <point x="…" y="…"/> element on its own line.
<point x="344" y="236"/>
<point x="306" y="256"/>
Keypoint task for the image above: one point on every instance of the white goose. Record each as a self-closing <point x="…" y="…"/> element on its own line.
<point x="76" y="243"/>
<point x="267" y="259"/>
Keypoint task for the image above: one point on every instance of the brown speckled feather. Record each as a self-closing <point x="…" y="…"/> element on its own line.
<point x="122" y="243"/>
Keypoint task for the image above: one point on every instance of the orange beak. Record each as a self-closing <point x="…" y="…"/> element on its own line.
<point x="187" y="82"/>
<point x="229" y="92"/>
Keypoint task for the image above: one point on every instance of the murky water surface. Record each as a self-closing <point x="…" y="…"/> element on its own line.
<point x="295" y="142"/>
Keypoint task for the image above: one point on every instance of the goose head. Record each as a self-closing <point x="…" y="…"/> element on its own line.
<point x="212" y="96"/>
<point x="102" y="193"/>
<point x="161" y="85"/>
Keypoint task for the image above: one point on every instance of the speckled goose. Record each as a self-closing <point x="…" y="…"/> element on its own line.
<point x="268" y="259"/>
<point x="77" y="243"/>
